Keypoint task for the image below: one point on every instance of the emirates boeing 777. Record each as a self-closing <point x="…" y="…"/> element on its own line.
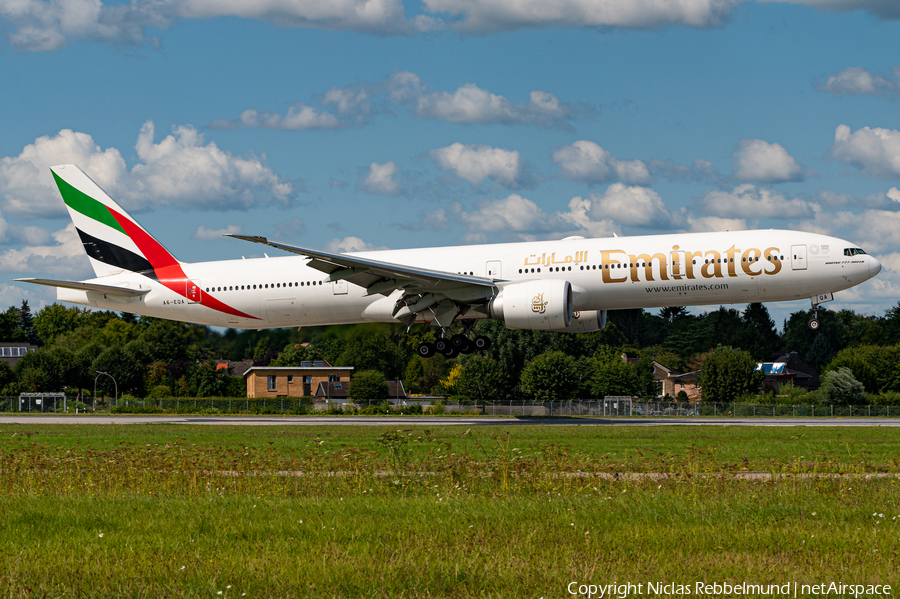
<point x="565" y="286"/>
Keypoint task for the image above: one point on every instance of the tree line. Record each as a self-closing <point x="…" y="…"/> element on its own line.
<point x="161" y="358"/>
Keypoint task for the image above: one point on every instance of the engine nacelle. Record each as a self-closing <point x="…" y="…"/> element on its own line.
<point x="544" y="305"/>
<point x="585" y="321"/>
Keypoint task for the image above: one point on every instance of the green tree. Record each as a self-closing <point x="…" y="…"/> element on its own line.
<point x="209" y="380"/>
<point x="872" y="365"/>
<point x="614" y="376"/>
<point x="9" y="331"/>
<point x="840" y="387"/>
<point x="413" y="375"/>
<point x="295" y="354"/>
<point x="819" y="353"/>
<point x="125" y="365"/>
<point x="7" y="379"/>
<point x="482" y="378"/>
<point x="25" y="323"/>
<point x="757" y="334"/>
<point x="54" y="320"/>
<point x="377" y="352"/>
<point x="56" y="364"/>
<point x="368" y="384"/>
<point x="727" y="374"/>
<point x="549" y="376"/>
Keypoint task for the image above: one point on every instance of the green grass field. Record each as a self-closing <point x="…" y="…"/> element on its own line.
<point x="342" y="511"/>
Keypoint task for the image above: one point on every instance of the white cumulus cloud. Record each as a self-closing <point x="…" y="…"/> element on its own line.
<point x="50" y="24"/>
<point x="380" y="179"/>
<point x="705" y="224"/>
<point x="65" y="258"/>
<point x="356" y="104"/>
<point x="351" y="244"/>
<point x="587" y="162"/>
<point x="760" y="161"/>
<point x="475" y="163"/>
<point x="751" y="202"/>
<point x="875" y="151"/>
<point x="182" y="170"/>
<point x="859" y="81"/>
<point x="298" y="116"/>
<point x="513" y="216"/>
<point x="204" y="233"/>
<point x="484" y="16"/>
<point x="632" y="206"/>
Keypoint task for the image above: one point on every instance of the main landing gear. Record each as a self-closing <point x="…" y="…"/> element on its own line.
<point x="455" y="345"/>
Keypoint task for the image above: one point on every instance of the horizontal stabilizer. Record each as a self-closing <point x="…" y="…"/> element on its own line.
<point x="107" y="289"/>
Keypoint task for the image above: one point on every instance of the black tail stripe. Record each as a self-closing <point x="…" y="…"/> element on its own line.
<point x="114" y="255"/>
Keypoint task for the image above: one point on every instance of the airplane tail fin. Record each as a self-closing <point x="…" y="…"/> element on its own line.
<point x="113" y="240"/>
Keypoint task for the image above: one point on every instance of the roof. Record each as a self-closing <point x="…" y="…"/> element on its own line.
<point x="301" y="368"/>
<point x="297" y="369"/>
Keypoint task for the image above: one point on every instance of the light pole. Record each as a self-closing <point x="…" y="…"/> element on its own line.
<point x="99" y="373"/>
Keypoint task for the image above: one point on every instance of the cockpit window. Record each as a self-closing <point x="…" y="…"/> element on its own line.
<point x="853" y="251"/>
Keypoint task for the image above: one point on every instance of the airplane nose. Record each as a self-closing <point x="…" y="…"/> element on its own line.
<point x="874" y="266"/>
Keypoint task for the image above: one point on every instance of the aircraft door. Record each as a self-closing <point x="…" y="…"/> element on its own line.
<point x="798" y="261"/>
<point x="676" y="264"/>
<point x="493" y="269"/>
<point x="192" y="291"/>
<point x="339" y="287"/>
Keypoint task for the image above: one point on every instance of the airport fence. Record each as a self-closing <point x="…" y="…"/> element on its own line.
<point x="609" y="407"/>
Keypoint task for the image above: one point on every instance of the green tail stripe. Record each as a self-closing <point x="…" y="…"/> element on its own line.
<point x="86" y="205"/>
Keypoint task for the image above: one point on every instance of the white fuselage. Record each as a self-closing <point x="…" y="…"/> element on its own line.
<point x="606" y="274"/>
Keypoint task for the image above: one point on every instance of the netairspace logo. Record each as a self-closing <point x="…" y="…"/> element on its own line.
<point x="791" y="589"/>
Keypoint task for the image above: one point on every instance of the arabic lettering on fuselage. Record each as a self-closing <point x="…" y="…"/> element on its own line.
<point x="707" y="264"/>
<point x="545" y="260"/>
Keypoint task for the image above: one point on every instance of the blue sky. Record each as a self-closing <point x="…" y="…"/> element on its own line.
<point x="365" y="124"/>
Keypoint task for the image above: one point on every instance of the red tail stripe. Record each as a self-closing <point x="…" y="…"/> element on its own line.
<point x="167" y="268"/>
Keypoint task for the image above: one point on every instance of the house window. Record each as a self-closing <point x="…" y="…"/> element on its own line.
<point x="307" y="379"/>
<point x="271" y="382"/>
<point x="291" y="379"/>
<point x="333" y="377"/>
<point x="681" y="385"/>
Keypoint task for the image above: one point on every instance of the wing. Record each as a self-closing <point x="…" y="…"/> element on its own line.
<point x="422" y="288"/>
<point x="107" y="289"/>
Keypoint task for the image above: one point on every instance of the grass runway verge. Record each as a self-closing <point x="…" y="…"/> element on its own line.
<point x="179" y="511"/>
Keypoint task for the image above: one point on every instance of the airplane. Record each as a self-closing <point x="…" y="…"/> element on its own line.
<point x="564" y="286"/>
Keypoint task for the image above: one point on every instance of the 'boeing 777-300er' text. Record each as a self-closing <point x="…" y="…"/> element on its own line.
<point x="564" y="286"/>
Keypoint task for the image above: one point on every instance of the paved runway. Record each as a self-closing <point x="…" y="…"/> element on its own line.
<point x="440" y="420"/>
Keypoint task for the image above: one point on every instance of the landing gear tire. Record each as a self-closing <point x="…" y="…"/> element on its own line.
<point x="468" y="348"/>
<point x="459" y="341"/>
<point x="426" y="350"/>
<point x="451" y="352"/>
<point x="814" y="324"/>
<point x="482" y="343"/>
<point x="442" y="345"/>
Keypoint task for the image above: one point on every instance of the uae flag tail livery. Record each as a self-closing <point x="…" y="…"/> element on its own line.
<point x="112" y="239"/>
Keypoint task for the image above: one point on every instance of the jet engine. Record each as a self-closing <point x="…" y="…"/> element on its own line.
<point x="544" y="305"/>
<point x="585" y="321"/>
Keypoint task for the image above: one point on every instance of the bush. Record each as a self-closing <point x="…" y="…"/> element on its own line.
<point x="887" y="398"/>
<point x="839" y="386"/>
<point x="368" y="384"/>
